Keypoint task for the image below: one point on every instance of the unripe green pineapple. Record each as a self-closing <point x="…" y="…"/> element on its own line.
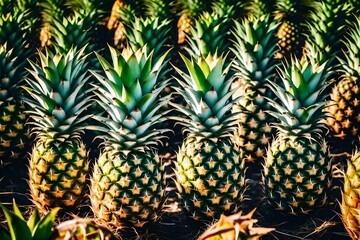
<point x="209" y="167"/>
<point x="128" y="184"/>
<point x="58" y="96"/>
<point x="297" y="173"/>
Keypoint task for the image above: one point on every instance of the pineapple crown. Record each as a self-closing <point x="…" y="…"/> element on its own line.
<point x="129" y="93"/>
<point x="59" y="95"/>
<point x="292" y="9"/>
<point x="71" y="31"/>
<point x="228" y="8"/>
<point x="162" y="9"/>
<point x="194" y="7"/>
<point x="12" y="74"/>
<point x="150" y="34"/>
<point x="254" y="47"/>
<point x="208" y="35"/>
<point x="258" y="8"/>
<point x="301" y="98"/>
<point x="325" y="27"/>
<point x="351" y="62"/>
<point x="13" y="31"/>
<point x="206" y="90"/>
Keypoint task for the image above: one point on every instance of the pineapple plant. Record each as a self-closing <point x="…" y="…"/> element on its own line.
<point x="190" y="9"/>
<point x="40" y="228"/>
<point x="152" y="34"/>
<point x="297" y="170"/>
<point x="258" y="8"/>
<point x="51" y="10"/>
<point x="128" y="182"/>
<point x="235" y="227"/>
<point x="208" y="35"/>
<point x="58" y="96"/>
<point x="343" y="119"/>
<point x="254" y="47"/>
<point x="231" y="9"/>
<point x="326" y="26"/>
<point x="350" y="196"/>
<point x="34" y="228"/>
<point x="293" y="14"/>
<point x="162" y="9"/>
<point x="122" y="14"/>
<point x="209" y="167"/>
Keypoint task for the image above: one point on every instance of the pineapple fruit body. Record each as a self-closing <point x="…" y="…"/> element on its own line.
<point x="210" y="177"/>
<point x="350" y="210"/>
<point x="15" y="138"/>
<point x="297" y="174"/>
<point x="57" y="174"/>
<point x="127" y="187"/>
<point x="254" y="132"/>
<point x="344" y="119"/>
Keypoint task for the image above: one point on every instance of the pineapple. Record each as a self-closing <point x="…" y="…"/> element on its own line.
<point x="209" y="167"/>
<point x="190" y="9"/>
<point x="58" y="96"/>
<point x="350" y="197"/>
<point x="254" y="47"/>
<point x="297" y="171"/>
<point x="344" y="115"/>
<point x="293" y="14"/>
<point x="128" y="184"/>
<point x="235" y="227"/>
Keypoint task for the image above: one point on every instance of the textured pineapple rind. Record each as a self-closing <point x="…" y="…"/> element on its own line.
<point x="254" y="131"/>
<point x="343" y="108"/>
<point x="57" y="174"/>
<point x="128" y="188"/>
<point x="350" y="211"/>
<point x="297" y="174"/>
<point x="210" y="177"/>
<point x="15" y="138"/>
